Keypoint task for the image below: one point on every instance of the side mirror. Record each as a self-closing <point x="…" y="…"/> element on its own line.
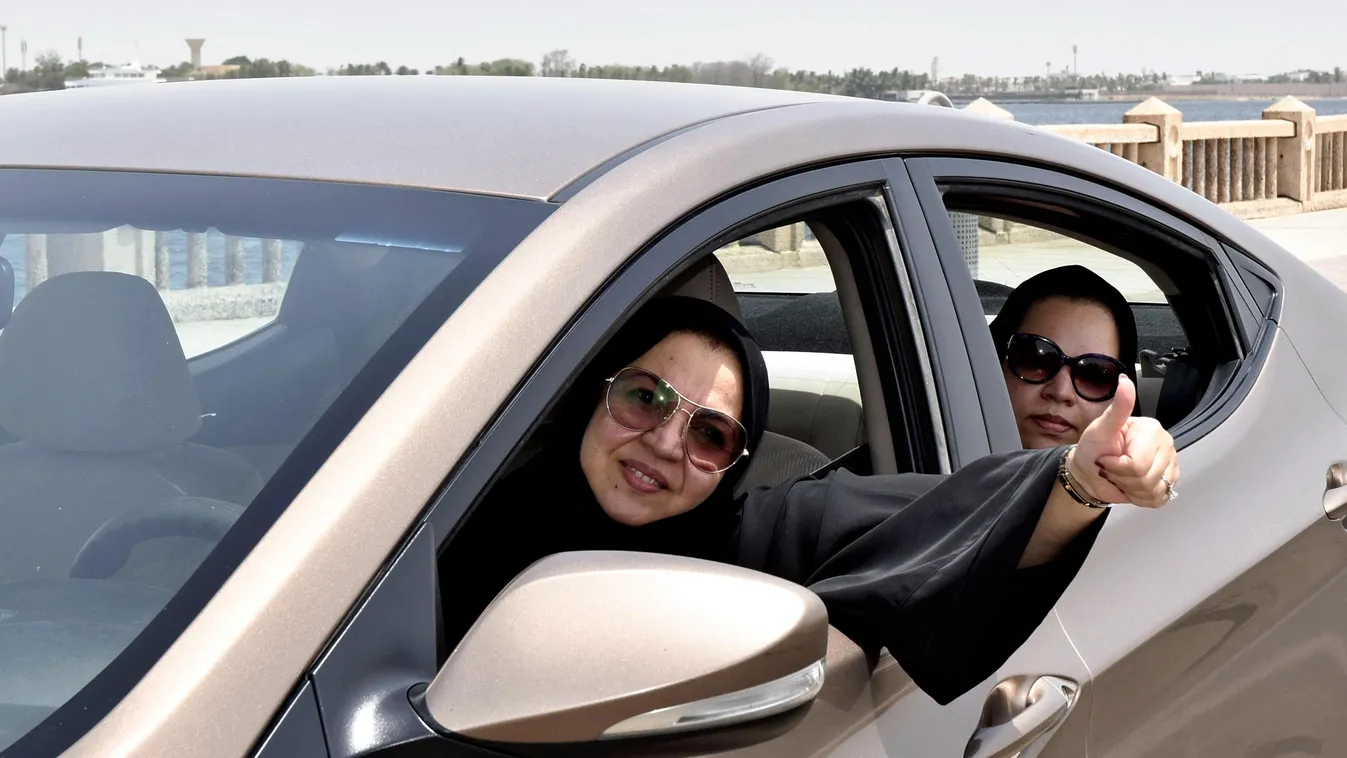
<point x="601" y="645"/>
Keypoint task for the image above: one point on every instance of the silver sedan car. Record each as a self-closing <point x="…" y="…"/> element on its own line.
<point x="270" y="341"/>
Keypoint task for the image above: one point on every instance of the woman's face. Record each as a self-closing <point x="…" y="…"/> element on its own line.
<point x="1052" y="414"/>
<point x="640" y="477"/>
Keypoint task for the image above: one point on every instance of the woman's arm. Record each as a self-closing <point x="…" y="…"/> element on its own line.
<point x="953" y="573"/>
<point x="923" y="565"/>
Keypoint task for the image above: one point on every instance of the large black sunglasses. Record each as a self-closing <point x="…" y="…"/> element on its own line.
<point x="1036" y="359"/>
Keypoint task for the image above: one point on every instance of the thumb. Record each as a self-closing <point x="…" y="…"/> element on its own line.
<point x="1124" y="400"/>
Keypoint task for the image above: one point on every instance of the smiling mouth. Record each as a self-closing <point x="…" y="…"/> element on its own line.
<point x="642" y="478"/>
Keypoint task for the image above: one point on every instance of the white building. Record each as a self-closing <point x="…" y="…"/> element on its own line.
<point x="111" y="76"/>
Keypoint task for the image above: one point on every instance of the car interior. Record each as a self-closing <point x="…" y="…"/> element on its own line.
<point x="105" y="422"/>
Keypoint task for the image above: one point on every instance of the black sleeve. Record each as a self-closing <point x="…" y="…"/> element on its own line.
<point x="923" y="565"/>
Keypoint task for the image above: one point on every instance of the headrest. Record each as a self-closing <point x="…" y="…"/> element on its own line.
<point x="91" y="362"/>
<point x="707" y="280"/>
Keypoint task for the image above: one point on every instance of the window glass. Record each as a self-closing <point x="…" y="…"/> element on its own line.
<point x="174" y="339"/>
<point x="1001" y="254"/>
<point x="786" y="291"/>
<point x="788" y="296"/>
<point x="784" y="260"/>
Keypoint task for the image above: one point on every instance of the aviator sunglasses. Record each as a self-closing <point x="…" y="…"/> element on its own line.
<point x="640" y="401"/>
<point x="1037" y="360"/>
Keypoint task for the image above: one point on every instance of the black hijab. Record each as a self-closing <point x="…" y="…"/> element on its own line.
<point x="1077" y="283"/>
<point x="547" y="506"/>
<point x="703" y="527"/>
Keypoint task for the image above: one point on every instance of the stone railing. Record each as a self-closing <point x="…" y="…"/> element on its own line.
<point x="249" y="275"/>
<point x="1290" y="160"/>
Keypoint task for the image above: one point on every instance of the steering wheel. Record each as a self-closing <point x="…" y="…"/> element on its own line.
<point x="56" y="635"/>
<point x="107" y="550"/>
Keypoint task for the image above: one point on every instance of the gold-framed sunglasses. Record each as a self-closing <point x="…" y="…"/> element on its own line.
<point x="640" y="401"/>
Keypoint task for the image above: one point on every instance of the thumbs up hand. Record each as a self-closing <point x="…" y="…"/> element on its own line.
<point x="1125" y="459"/>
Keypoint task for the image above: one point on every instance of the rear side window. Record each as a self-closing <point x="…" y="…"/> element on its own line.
<point x="175" y="341"/>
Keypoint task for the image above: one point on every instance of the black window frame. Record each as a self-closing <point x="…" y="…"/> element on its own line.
<point x="1251" y="328"/>
<point x="750" y="210"/>
<point x="965" y="380"/>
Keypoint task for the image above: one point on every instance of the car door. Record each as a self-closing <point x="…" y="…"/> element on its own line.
<point x="389" y="642"/>
<point x="1214" y="625"/>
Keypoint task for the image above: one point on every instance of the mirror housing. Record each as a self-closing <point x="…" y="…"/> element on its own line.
<point x="591" y="646"/>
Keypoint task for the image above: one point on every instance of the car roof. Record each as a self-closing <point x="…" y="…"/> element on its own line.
<point x="516" y="136"/>
<point x="527" y="137"/>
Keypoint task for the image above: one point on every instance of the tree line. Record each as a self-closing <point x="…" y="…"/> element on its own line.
<point x="50" y="72"/>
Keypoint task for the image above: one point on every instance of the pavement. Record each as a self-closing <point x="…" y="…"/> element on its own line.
<point x="1319" y="239"/>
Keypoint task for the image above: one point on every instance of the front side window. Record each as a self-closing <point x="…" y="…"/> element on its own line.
<point x="787" y="295"/>
<point x="174" y="340"/>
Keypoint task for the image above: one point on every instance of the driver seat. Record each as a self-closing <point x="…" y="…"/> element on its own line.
<point x="95" y="386"/>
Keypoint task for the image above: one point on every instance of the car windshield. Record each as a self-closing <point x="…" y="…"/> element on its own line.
<point x="173" y="341"/>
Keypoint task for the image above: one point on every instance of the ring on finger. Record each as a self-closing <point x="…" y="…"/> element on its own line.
<point x="1170" y="492"/>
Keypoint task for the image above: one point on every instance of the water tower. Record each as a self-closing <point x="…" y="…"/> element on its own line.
<point x="195" y="44"/>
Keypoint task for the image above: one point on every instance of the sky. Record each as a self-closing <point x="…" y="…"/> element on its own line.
<point x="986" y="37"/>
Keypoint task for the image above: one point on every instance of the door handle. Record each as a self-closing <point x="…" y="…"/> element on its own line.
<point x="1019" y="711"/>
<point x="1335" y="492"/>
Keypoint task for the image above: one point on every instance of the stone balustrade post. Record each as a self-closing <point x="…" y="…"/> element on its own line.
<point x="984" y="107"/>
<point x="125" y="250"/>
<point x="782" y="239"/>
<point x="196" y="259"/>
<point x="1165" y="155"/>
<point x="162" y="261"/>
<point x="1296" y="157"/>
<point x="234" y="261"/>
<point x="271" y="260"/>
<point x="35" y="260"/>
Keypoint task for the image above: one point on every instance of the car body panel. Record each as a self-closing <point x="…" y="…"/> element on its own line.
<point x="220" y="685"/>
<point x="916" y="726"/>
<point x="1181" y="608"/>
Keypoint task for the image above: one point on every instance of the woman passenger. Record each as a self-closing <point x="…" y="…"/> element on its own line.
<point x="1064" y="337"/>
<point x="950" y="573"/>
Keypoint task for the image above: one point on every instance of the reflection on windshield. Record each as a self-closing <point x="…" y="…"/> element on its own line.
<point x="174" y="340"/>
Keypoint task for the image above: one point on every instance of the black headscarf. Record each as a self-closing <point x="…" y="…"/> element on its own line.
<point x="651" y="324"/>
<point x="1077" y="283"/>
<point x="547" y="506"/>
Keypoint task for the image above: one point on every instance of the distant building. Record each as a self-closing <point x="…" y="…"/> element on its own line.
<point x="112" y="76"/>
